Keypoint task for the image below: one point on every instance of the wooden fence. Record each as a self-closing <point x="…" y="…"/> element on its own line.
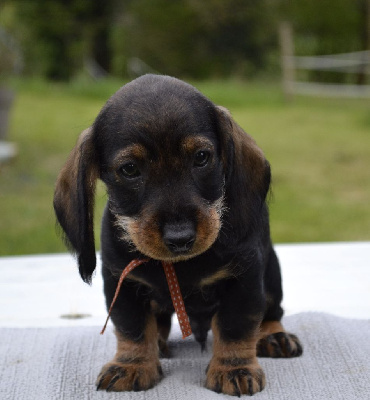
<point x="356" y="63"/>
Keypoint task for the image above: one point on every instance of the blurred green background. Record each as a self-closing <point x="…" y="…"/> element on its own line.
<point x="67" y="57"/>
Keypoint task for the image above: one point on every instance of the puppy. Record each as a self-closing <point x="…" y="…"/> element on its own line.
<point x="186" y="185"/>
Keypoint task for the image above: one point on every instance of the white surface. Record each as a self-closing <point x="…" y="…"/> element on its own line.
<point x="35" y="291"/>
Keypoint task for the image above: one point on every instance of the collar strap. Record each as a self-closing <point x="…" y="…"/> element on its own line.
<point x="173" y="286"/>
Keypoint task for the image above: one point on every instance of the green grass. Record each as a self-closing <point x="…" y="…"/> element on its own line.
<point x="319" y="150"/>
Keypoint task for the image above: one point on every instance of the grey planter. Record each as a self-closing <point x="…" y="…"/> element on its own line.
<point x="6" y="101"/>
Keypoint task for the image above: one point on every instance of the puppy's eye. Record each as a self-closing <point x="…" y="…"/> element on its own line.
<point x="129" y="170"/>
<point x="201" y="158"/>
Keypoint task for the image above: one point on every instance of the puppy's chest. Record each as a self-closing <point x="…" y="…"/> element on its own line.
<point x="198" y="284"/>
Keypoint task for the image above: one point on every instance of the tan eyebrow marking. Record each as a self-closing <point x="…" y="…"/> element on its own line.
<point x="192" y="143"/>
<point x="133" y="151"/>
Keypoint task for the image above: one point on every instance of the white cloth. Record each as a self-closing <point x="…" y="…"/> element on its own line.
<point x="63" y="363"/>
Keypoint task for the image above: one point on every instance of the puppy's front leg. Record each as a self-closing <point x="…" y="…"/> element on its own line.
<point x="136" y="363"/>
<point x="234" y="368"/>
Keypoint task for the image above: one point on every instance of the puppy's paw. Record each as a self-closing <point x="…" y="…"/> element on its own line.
<point x="279" y="345"/>
<point x="235" y="376"/>
<point x="119" y="377"/>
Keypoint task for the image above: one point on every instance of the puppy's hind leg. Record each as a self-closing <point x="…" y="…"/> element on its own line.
<point x="164" y="327"/>
<point x="274" y="341"/>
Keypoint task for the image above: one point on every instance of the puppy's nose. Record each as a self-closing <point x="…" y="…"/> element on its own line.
<point x="179" y="238"/>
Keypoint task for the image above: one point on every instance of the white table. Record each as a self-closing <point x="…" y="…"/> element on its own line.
<point x="36" y="291"/>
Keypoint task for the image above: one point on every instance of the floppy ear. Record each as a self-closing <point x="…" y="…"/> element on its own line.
<point x="74" y="203"/>
<point x="247" y="175"/>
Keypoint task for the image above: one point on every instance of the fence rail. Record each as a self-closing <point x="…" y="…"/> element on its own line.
<point x="356" y="63"/>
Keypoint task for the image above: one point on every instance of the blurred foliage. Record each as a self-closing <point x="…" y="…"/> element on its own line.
<point x="199" y="39"/>
<point x="328" y="27"/>
<point x="319" y="150"/>
<point x="185" y="38"/>
<point x="57" y="35"/>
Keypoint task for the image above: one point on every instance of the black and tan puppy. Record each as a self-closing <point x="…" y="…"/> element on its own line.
<point x="185" y="184"/>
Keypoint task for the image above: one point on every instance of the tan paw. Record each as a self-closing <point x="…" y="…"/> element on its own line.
<point x="280" y="344"/>
<point x="235" y="376"/>
<point x="128" y="376"/>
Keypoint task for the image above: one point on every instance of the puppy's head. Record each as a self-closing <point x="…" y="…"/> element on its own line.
<point x="169" y="159"/>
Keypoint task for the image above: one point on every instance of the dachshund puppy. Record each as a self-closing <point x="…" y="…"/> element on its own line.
<point x="185" y="185"/>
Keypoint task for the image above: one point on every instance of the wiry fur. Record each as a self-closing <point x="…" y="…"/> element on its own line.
<point x="185" y="184"/>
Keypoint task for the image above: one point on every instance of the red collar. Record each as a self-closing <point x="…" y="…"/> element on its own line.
<point x="173" y="285"/>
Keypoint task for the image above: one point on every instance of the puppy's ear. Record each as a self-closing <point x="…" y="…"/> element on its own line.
<point x="247" y="175"/>
<point x="74" y="202"/>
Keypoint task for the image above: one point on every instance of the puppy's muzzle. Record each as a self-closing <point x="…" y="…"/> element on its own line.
<point x="179" y="238"/>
